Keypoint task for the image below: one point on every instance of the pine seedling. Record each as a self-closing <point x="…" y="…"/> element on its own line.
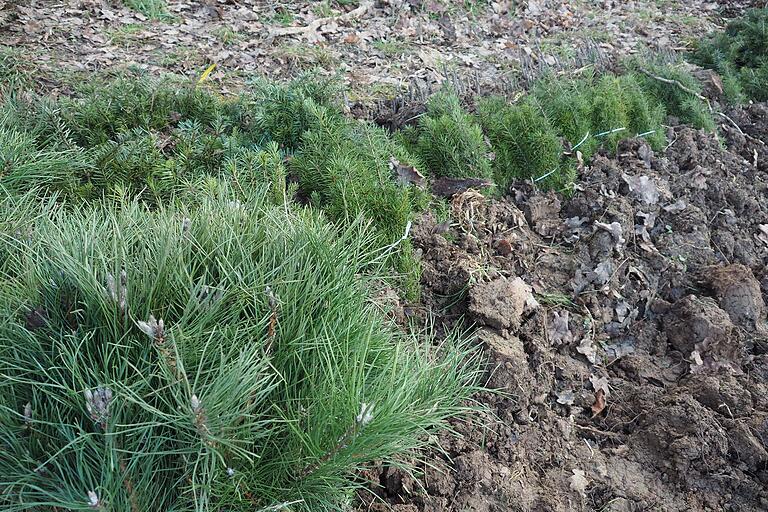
<point x="25" y="166"/>
<point x="568" y="106"/>
<point x="682" y="102"/>
<point x="449" y="141"/>
<point x="283" y="112"/>
<point x="524" y="142"/>
<point x="91" y="417"/>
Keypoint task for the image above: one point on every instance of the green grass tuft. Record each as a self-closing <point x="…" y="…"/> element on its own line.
<point x="152" y="9"/>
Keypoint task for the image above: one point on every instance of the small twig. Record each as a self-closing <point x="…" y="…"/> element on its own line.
<point x="678" y="84"/>
<point x="316" y="24"/>
<point x="732" y="122"/>
<point x="612" y="435"/>
<point x="392" y="247"/>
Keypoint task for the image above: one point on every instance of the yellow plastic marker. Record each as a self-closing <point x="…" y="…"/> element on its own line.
<point x="206" y="73"/>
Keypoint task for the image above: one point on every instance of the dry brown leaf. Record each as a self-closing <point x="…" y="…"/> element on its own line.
<point x="579" y="482"/>
<point x="405" y="174"/>
<point x="600" y="385"/>
<point x="599" y="404"/>
<point x="352" y="38"/>
<point x="587" y="348"/>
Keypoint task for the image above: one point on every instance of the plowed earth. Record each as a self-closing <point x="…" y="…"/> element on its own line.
<point x="626" y="326"/>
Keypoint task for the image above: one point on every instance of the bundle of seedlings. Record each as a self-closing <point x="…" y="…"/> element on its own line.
<point x="448" y="140"/>
<point x="169" y="141"/>
<point x="225" y="357"/>
<point x="740" y="55"/>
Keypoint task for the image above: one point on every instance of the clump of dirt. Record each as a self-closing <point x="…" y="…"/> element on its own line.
<point x="624" y="327"/>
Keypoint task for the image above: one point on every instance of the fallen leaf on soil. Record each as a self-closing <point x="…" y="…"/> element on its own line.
<point x="675" y="207"/>
<point x="561" y="334"/>
<point x="566" y="397"/>
<point x="579" y="482"/>
<point x="646" y="155"/>
<point x="700" y="181"/>
<point x="574" y="227"/>
<point x="599" y="404"/>
<point x="762" y="236"/>
<point x="649" y="220"/>
<point x="696" y="361"/>
<point x="406" y="174"/>
<point x="600" y="385"/>
<point x="622" y="311"/>
<point x="620" y="349"/>
<point x="643" y="188"/>
<point x="602" y="273"/>
<point x="614" y="228"/>
<point x="503" y="247"/>
<point x="587" y="348"/>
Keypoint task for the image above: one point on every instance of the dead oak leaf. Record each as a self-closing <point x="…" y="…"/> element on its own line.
<point x="643" y="188"/>
<point x="578" y="482"/>
<point x="600" y="385"/>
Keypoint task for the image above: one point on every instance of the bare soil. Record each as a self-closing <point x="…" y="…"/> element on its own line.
<point x="625" y="326"/>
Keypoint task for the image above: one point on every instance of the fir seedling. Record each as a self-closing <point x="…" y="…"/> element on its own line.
<point x="283" y="112"/>
<point x="646" y="115"/>
<point x="128" y="383"/>
<point x="343" y="167"/>
<point x="610" y="111"/>
<point x="449" y="141"/>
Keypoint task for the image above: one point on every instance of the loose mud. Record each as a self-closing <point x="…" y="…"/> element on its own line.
<point x="624" y="327"/>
